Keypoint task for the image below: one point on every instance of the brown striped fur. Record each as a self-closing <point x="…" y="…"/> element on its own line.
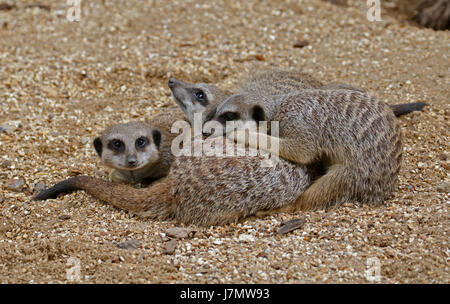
<point x="355" y="135"/>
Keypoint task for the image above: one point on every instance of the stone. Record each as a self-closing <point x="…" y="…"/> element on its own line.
<point x="444" y="187"/>
<point x="40" y="187"/>
<point x="10" y="126"/>
<point x="170" y="246"/>
<point x="246" y="238"/>
<point x="180" y="233"/>
<point x="291" y="225"/>
<point x="15" y="184"/>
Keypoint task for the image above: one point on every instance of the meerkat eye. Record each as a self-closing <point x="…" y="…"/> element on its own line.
<point x="141" y="142"/>
<point x="200" y="95"/>
<point x="229" y="116"/>
<point x="116" y="145"/>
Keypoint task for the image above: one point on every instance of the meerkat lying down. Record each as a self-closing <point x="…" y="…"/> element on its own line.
<point x="204" y="191"/>
<point x="353" y="135"/>
<point x="204" y="98"/>
<point x="434" y="14"/>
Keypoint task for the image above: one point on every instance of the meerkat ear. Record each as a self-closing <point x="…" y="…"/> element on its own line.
<point x="98" y="146"/>
<point x="156" y="137"/>
<point x="258" y="114"/>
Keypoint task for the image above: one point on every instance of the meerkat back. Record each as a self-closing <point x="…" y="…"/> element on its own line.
<point x="278" y="82"/>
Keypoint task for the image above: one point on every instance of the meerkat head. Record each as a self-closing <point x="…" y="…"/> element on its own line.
<point x="196" y="98"/>
<point x="242" y="109"/>
<point x="129" y="146"/>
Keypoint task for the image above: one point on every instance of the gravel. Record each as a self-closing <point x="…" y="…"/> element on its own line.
<point x="67" y="81"/>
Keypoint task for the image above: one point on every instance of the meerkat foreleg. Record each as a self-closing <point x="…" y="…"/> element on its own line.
<point x="285" y="148"/>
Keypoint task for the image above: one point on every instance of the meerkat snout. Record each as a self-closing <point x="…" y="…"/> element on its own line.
<point x="172" y="82"/>
<point x="132" y="161"/>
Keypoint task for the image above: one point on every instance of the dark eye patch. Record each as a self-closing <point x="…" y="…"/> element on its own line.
<point x="116" y="145"/>
<point x="98" y="146"/>
<point x="156" y="137"/>
<point x="141" y="142"/>
<point x="228" y="116"/>
<point x="258" y="114"/>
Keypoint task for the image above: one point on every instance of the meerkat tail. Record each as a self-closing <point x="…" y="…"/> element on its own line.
<point x="405" y="108"/>
<point x="66" y="186"/>
<point x="327" y="191"/>
<point x="152" y="202"/>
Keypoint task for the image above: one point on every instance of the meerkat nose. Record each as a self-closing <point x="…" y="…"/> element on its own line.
<point x="172" y="82"/>
<point x="132" y="161"/>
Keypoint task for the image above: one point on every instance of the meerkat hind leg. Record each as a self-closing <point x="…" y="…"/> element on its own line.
<point x="331" y="189"/>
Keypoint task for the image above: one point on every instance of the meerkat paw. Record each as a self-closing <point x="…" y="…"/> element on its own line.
<point x="116" y="177"/>
<point x="256" y="140"/>
<point x="243" y="137"/>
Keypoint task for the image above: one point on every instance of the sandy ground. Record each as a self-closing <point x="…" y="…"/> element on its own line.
<point x="62" y="82"/>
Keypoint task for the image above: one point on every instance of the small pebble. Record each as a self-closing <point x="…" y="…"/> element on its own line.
<point x="246" y="238"/>
<point x="180" y="233"/>
<point x="40" y="187"/>
<point x="169" y="247"/>
<point x="444" y="187"/>
<point x="291" y="225"/>
<point x="15" y="184"/>
<point x="129" y="244"/>
<point x="301" y="44"/>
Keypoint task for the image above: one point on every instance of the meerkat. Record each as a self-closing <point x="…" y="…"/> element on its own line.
<point x="204" y="98"/>
<point x="354" y="136"/>
<point x="278" y="82"/>
<point x="202" y="191"/>
<point x="138" y="152"/>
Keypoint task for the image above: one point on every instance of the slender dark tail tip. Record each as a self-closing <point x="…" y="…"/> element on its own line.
<point x="402" y="109"/>
<point x="66" y="186"/>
